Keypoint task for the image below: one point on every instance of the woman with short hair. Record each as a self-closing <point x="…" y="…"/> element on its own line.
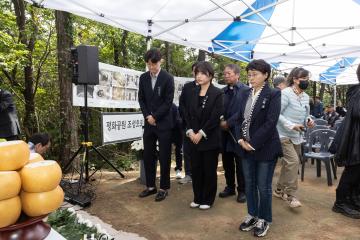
<point x="260" y="145"/>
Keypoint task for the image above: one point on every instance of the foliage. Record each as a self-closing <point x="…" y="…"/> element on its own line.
<point x="130" y="48"/>
<point x="66" y="223"/>
<point x="73" y="226"/>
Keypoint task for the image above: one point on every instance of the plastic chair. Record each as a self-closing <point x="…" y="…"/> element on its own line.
<point x="321" y="122"/>
<point x="314" y="144"/>
<point x="325" y="137"/>
<point x="337" y="124"/>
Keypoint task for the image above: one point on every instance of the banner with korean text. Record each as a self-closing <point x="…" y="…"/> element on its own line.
<point x="121" y="126"/>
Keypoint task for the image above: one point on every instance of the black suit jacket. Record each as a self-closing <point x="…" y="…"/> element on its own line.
<point x="157" y="102"/>
<point x="9" y="123"/>
<point x="206" y="119"/>
<point x="184" y="100"/>
<point x="231" y="110"/>
<point x="264" y="137"/>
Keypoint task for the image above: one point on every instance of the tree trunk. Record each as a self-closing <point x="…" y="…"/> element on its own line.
<point x="68" y="126"/>
<point x="117" y="50"/>
<point x="201" y="56"/>
<point x="314" y="90"/>
<point x="29" y="118"/>
<point x="167" y="56"/>
<point x="124" y="53"/>
<point x="30" y="123"/>
<point x="322" y="90"/>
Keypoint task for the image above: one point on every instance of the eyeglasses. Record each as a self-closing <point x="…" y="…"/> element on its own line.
<point x="252" y="75"/>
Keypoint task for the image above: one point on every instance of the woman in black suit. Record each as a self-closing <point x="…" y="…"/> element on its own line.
<point x="203" y="129"/>
<point x="260" y="145"/>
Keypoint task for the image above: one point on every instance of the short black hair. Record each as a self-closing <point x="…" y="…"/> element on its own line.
<point x="259" y="65"/>
<point x="234" y="67"/>
<point x="154" y="55"/>
<point x="297" y="72"/>
<point x="206" y="68"/>
<point x="358" y="73"/>
<point x="42" y="138"/>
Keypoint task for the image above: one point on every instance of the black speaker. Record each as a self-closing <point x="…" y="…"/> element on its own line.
<point x="85" y="63"/>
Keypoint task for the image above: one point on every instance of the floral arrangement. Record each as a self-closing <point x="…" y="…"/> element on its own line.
<point x="138" y="148"/>
<point x="73" y="225"/>
<point x="137" y="145"/>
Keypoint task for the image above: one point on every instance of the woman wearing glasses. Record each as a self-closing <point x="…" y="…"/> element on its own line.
<point x="260" y="145"/>
<point x="294" y="117"/>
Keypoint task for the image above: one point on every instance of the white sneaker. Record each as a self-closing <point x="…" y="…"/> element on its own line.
<point x="194" y="205"/>
<point x="178" y="174"/>
<point x="280" y="194"/>
<point x="293" y="202"/>
<point x="186" y="179"/>
<point x="205" y="207"/>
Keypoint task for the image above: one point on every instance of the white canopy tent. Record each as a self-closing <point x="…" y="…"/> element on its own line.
<point x="287" y="33"/>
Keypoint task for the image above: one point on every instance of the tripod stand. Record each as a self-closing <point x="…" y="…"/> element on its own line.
<point x="86" y="145"/>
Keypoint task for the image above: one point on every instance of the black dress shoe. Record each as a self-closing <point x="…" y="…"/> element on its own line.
<point x="241" y="198"/>
<point x="147" y="192"/>
<point x="346" y="210"/>
<point x="356" y="203"/>
<point x="161" y="195"/>
<point x="227" y="192"/>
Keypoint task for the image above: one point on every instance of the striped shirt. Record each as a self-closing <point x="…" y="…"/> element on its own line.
<point x="295" y="109"/>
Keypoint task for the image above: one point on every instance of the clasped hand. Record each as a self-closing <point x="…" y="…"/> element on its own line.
<point x="195" y="137"/>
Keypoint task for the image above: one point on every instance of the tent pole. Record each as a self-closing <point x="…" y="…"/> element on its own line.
<point x="148" y="39"/>
<point x="335" y="96"/>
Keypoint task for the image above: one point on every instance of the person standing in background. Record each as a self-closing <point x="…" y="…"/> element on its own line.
<point x="9" y="123"/>
<point x="318" y="108"/>
<point x="280" y="82"/>
<point x="177" y="139"/>
<point x="232" y="165"/>
<point x="184" y="102"/>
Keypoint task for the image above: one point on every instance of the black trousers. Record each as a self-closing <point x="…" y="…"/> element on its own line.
<point x="232" y="164"/>
<point x="349" y="183"/>
<point x="177" y="140"/>
<point x="151" y="135"/>
<point x="204" y="175"/>
<point x="187" y="155"/>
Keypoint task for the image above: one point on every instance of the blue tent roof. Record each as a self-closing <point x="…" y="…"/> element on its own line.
<point x="233" y="41"/>
<point x="329" y="76"/>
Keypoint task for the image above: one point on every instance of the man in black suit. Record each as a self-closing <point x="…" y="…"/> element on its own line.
<point x="233" y="93"/>
<point x="9" y="123"/>
<point x="183" y="105"/>
<point x="156" y="93"/>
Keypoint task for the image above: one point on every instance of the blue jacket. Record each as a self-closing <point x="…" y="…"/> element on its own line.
<point x="231" y="109"/>
<point x="264" y="137"/>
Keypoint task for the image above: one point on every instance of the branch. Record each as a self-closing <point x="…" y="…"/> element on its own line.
<point x="20" y="19"/>
<point x="43" y="58"/>
<point x="34" y="33"/>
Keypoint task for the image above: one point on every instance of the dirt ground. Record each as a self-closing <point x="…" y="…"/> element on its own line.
<point x="118" y="204"/>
